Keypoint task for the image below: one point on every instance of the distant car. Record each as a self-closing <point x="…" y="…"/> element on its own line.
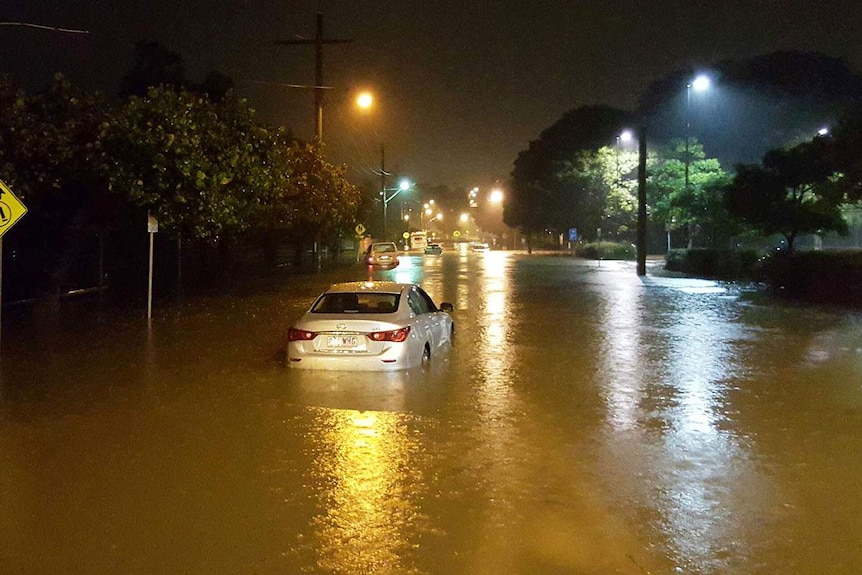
<point x="382" y="254"/>
<point x="479" y="247"/>
<point x="433" y="249"/>
<point x="370" y="326"/>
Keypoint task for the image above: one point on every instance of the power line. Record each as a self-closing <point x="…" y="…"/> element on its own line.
<point x="41" y="27"/>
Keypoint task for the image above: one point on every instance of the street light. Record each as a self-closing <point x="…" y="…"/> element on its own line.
<point x="402" y="186"/>
<point x="700" y="84"/>
<point x="364" y="101"/>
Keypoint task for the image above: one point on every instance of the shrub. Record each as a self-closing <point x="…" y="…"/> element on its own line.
<point x="719" y="264"/>
<point x="827" y="276"/>
<point x="607" y="251"/>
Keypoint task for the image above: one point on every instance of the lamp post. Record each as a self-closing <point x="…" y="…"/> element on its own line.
<point x="365" y="101"/>
<point x="402" y="186"/>
<point x="700" y="84"/>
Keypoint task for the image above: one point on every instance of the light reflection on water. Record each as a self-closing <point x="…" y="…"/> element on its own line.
<point x="585" y="421"/>
<point x="675" y="357"/>
<point x="368" y="493"/>
<point x="669" y="359"/>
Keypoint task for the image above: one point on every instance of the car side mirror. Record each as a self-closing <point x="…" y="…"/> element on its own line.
<point x="447" y="307"/>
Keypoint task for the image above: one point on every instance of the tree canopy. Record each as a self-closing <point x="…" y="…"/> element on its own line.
<point x="793" y="191"/>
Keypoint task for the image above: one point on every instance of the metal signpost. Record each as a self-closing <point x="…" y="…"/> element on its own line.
<point x="11" y="210"/>
<point x="152" y="229"/>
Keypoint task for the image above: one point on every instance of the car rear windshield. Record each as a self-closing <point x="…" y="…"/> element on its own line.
<point x="362" y="302"/>
<point x="384" y="248"/>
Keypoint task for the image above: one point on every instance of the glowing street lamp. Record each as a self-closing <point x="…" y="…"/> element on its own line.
<point x="403" y="185"/>
<point x="496" y="197"/>
<point x="365" y="100"/>
<point x="700" y="84"/>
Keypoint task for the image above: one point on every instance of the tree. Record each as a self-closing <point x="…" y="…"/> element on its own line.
<point x="794" y="191"/>
<point x="537" y="191"/>
<point x="695" y="208"/>
<point x="846" y="153"/>
<point x="599" y="192"/>
<point x="326" y="205"/>
<point x="194" y="164"/>
<point x="50" y="154"/>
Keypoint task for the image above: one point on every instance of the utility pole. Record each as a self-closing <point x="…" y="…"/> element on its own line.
<point x="642" y="201"/>
<point x="383" y="185"/>
<point x="318" y="42"/>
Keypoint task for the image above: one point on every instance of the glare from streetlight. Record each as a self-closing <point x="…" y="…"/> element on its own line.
<point x="440" y="216"/>
<point x="626" y="136"/>
<point x="365" y="100"/>
<point x="465" y="218"/>
<point x="701" y="83"/>
<point x="404" y="184"/>
<point x="824" y="131"/>
<point x="496" y="197"/>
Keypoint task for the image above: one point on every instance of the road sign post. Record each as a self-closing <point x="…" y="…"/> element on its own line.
<point x="11" y="210"/>
<point x="152" y="228"/>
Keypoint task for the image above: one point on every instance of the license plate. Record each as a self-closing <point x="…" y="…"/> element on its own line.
<point x="343" y="341"/>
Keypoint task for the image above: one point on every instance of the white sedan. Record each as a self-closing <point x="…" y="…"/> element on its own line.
<point x="370" y="326"/>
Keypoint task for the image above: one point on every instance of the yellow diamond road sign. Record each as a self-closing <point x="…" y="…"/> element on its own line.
<point x="11" y="209"/>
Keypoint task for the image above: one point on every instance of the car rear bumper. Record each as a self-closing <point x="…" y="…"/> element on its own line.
<point x="393" y="358"/>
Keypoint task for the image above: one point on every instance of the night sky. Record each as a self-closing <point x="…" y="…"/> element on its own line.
<point x="461" y="87"/>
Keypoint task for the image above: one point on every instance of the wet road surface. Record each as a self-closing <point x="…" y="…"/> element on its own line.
<point x="585" y="421"/>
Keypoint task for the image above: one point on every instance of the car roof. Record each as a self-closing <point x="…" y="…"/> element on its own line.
<point x="380" y="287"/>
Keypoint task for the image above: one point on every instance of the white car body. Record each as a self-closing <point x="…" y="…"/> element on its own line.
<point x="369" y="326"/>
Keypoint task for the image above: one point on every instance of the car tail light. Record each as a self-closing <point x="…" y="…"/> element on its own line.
<point x="396" y="335"/>
<point x="294" y="334"/>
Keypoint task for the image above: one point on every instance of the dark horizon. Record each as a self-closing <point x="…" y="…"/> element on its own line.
<point x="461" y="89"/>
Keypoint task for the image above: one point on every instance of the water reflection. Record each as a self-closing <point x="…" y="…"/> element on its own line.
<point x="670" y="364"/>
<point x="368" y="486"/>
<point x="494" y="354"/>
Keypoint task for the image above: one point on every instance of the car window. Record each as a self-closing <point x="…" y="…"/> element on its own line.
<point x="358" y="303"/>
<point x="383" y="248"/>
<point x="418" y="303"/>
<point x="428" y="301"/>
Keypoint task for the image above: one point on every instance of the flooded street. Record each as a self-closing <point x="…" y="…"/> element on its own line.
<point x="584" y="421"/>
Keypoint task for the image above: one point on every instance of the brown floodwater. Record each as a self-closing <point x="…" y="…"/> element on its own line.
<point x="584" y="421"/>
